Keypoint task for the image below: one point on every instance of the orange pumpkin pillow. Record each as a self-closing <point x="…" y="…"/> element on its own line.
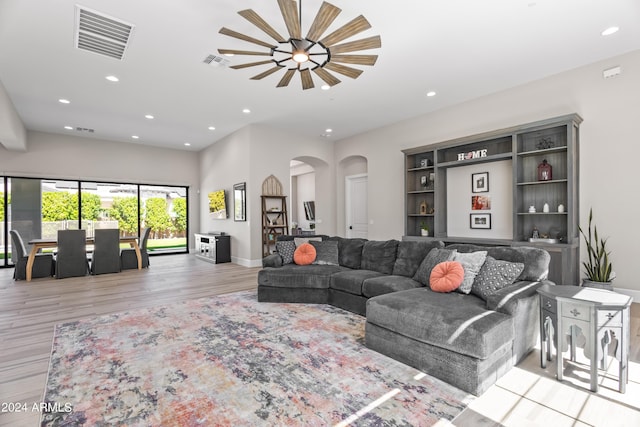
<point x="305" y="254"/>
<point x="446" y="276"/>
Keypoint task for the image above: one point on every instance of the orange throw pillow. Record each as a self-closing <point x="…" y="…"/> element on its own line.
<point x="305" y="254"/>
<point x="446" y="276"/>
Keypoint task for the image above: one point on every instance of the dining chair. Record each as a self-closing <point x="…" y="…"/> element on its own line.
<point x="71" y="259"/>
<point x="106" y="251"/>
<point x="128" y="256"/>
<point x="42" y="263"/>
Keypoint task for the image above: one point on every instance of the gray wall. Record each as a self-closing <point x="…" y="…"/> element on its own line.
<point x="609" y="149"/>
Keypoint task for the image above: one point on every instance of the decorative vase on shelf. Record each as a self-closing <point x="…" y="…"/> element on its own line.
<point x="545" y="208"/>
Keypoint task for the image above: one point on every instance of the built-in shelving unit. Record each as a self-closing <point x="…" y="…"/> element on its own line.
<point x="526" y="146"/>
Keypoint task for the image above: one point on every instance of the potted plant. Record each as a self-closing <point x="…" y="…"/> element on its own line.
<point x="424" y="229"/>
<point x="598" y="266"/>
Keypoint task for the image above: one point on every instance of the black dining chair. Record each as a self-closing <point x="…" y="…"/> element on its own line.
<point x="42" y="263"/>
<point x="128" y="256"/>
<point x="106" y="251"/>
<point x="71" y="259"/>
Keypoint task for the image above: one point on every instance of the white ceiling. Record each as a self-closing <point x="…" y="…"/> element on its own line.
<point x="462" y="49"/>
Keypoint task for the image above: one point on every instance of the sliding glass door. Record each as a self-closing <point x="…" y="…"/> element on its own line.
<point x="38" y="208"/>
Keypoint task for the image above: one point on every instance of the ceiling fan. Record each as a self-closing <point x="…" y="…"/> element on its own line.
<point x="314" y="52"/>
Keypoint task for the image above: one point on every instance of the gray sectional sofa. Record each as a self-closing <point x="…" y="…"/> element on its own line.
<point x="466" y="340"/>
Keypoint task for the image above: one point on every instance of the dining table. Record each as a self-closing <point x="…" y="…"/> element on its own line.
<point x="37" y="244"/>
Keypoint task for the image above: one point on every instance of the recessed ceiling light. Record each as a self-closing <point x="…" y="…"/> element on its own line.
<point x="64" y="101"/>
<point x="135" y="136"/>
<point x="148" y="116"/>
<point x="112" y="78"/>
<point x="325" y="87"/>
<point x="68" y="127"/>
<point x="187" y="144"/>
<point x="431" y="93"/>
<point x="246" y="111"/>
<point x="610" y="30"/>
<point x="329" y="130"/>
<point x="212" y="128"/>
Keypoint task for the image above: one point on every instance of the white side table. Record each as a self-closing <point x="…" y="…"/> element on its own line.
<point x="600" y="315"/>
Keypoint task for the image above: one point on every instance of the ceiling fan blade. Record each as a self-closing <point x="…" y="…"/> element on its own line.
<point x="307" y="80"/>
<point x="364" y="44"/>
<point x="250" y="64"/>
<point x="349" y="29"/>
<point x="243" y="52"/>
<point x="231" y="33"/>
<point x="286" y="78"/>
<point x="256" y="20"/>
<point x="326" y="15"/>
<point x="355" y="59"/>
<point x="289" y="10"/>
<point x="344" y="70"/>
<point x="329" y="78"/>
<point x="266" y="73"/>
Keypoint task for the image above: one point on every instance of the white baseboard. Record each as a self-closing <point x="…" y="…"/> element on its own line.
<point x="630" y="292"/>
<point x="247" y="262"/>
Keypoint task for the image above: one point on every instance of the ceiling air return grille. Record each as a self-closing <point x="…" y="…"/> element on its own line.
<point x="101" y="34"/>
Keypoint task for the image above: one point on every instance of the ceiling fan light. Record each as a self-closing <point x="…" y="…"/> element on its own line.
<point x="300" y="56"/>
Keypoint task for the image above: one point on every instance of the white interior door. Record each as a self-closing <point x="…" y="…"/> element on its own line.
<point x="357" y="218"/>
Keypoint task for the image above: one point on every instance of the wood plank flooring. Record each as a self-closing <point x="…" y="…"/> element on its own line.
<point x="527" y="395"/>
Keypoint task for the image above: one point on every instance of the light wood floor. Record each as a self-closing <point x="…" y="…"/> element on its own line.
<point x="527" y="395"/>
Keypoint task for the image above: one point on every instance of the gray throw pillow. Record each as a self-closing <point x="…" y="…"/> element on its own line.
<point x="286" y="250"/>
<point x="326" y="252"/>
<point x="379" y="256"/>
<point x="471" y="262"/>
<point x="433" y="258"/>
<point x="495" y="275"/>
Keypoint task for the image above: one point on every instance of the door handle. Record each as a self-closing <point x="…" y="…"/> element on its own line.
<point x="351" y="227"/>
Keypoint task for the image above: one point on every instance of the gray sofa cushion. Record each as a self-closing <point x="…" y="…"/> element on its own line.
<point x="453" y="321"/>
<point x="326" y="252"/>
<point x="433" y="258"/>
<point x="386" y="284"/>
<point x="298" y="276"/>
<point x="410" y="255"/>
<point x="535" y="260"/>
<point x="349" y="251"/>
<point x="379" y="256"/>
<point x="351" y="280"/>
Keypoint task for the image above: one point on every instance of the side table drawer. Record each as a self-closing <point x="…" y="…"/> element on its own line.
<point x="610" y="318"/>
<point x="549" y="304"/>
<point x="575" y="311"/>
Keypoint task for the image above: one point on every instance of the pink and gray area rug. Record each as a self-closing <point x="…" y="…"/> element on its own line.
<point x="232" y="361"/>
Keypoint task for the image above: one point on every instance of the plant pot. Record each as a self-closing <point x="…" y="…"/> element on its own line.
<point x="586" y="283"/>
<point x="424" y="232"/>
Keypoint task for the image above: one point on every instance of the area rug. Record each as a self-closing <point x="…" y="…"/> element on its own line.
<point x="230" y="360"/>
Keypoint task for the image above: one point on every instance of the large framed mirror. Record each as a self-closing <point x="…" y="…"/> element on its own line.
<point x="239" y="202"/>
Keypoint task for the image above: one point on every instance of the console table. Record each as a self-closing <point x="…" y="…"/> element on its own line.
<point x="602" y="316"/>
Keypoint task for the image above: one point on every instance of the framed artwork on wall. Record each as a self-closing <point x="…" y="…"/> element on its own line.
<point x="480" y="203"/>
<point x="480" y="182"/>
<point x="480" y="221"/>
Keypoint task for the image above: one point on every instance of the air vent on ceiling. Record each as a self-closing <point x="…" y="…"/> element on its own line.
<point x="79" y="129"/>
<point x="101" y="34"/>
<point x="216" y="60"/>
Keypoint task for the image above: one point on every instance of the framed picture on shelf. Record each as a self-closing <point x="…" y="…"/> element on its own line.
<point x="480" y="203"/>
<point x="480" y="221"/>
<point x="480" y="182"/>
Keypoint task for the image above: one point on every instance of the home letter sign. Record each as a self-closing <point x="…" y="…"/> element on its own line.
<point x="472" y="155"/>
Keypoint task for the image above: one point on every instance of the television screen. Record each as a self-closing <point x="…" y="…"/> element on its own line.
<point x="218" y="204"/>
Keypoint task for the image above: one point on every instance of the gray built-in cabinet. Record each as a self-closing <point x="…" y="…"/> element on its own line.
<point x="526" y="147"/>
